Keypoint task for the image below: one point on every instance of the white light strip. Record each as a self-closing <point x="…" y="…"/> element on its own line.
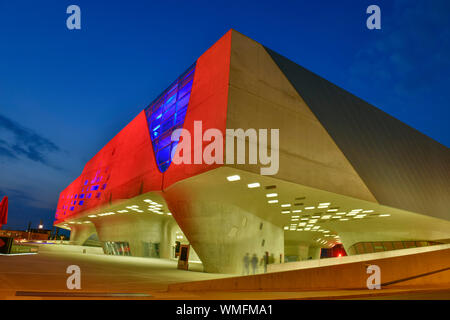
<point x="253" y="185"/>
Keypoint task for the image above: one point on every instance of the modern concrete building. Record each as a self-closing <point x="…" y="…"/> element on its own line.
<point x="348" y="172"/>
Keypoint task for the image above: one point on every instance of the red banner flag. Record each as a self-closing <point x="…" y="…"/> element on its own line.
<point x="4" y="211"/>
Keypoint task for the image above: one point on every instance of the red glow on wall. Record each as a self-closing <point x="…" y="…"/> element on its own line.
<point x="126" y="166"/>
<point x="4" y="211"/>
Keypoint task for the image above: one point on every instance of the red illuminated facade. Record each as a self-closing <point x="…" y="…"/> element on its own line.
<point x="126" y="166"/>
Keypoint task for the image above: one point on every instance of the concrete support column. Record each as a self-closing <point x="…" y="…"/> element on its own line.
<point x="167" y="239"/>
<point x="314" y="252"/>
<point x="222" y="233"/>
<point x="300" y="250"/>
<point x="132" y="229"/>
<point x="81" y="232"/>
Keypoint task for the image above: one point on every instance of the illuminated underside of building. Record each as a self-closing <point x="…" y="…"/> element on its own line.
<point x="348" y="172"/>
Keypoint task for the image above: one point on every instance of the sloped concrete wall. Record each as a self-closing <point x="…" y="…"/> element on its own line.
<point x="221" y="232"/>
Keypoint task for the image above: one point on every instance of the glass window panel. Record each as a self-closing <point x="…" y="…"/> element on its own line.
<point x="185" y="89"/>
<point x="163" y="155"/>
<point x="368" y="247"/>
<point x="163" y="141"/>
<point x="421" y="243"/>
<point x="398" y="245"/>
<point x="169" y="112"/>
<point x="183" y="102"/>
<point x="180" y="116"/>
<point x="410" y="244"/>
<point x="378" y="246"/>
<point x="164" y="118"/>
<point x="388" y="246"/>
<point x="359" y="248"/>
<point x="167" y="124"/>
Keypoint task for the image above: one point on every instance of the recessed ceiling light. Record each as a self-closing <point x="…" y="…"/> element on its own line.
<point x="384" y="215"/>
<point x="312" y="220"/>
<point x="324" y="204"/>
<point x="285" y="211"/>
<point x="286" y="205"/>
<point x="367" y="211"/>
<point x="335" y="217"/>
<point x="340" y="213"/>
<point x="296" y="211"/>
<point x="345" y="219"/>
<point x="316" y="217"/>
<point x="326" y="217"/>
<point x="286" y="228"/>
<point x="309" y="208"/>
<point x="272" y="201"/>
<point x="271" y="195"/>
<point x="294" y="219"/>
<point x="253" y="185"/>
<point x="92" y="216"/>
<point x="307" y="229"/>
<point x="332" y="210"/>
<point x="302" y="224"/>
<point x="234" y="178"/>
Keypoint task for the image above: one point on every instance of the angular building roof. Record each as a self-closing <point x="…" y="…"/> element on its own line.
<point x="402" y="167"/>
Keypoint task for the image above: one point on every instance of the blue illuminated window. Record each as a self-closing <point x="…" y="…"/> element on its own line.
<point x="166" y="114"/>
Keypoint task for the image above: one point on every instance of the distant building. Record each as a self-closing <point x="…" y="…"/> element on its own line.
<point x="33" y="234"/>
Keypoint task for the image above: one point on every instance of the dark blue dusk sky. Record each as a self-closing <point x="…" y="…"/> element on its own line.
<point x="64" y="94"/>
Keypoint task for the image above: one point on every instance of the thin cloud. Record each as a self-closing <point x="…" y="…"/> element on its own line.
<point x="20" y="142"/>
<point x="413" y="48"/>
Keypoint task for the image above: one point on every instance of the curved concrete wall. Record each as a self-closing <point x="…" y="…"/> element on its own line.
<point x="222" y="233"/>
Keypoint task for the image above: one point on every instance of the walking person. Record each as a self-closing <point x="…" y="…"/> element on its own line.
<point x="265" y="261"/>
<point x="246" y="264"/>
<point x="254" y="262"/>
